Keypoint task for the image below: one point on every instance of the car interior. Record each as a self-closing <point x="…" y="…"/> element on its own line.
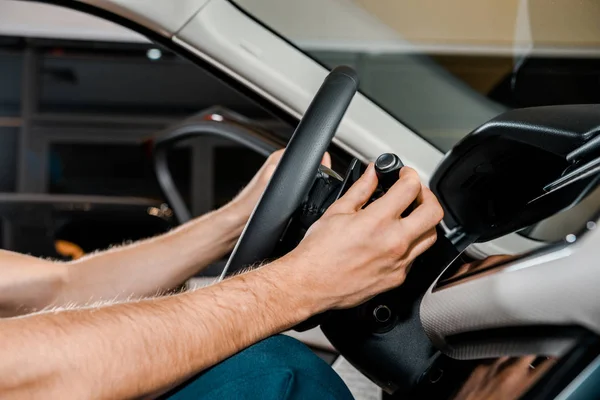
<point x="519" y="170"/>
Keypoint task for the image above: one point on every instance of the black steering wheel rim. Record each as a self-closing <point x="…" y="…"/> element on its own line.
<point x="296" y="171"/>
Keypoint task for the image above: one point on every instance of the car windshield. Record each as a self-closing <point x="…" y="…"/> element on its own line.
<point x="445" y="67"/>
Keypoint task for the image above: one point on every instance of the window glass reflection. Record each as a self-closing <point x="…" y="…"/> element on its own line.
<point x="504" y="378"/>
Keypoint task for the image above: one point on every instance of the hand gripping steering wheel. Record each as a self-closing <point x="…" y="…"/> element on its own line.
<point x="296" y="171"/>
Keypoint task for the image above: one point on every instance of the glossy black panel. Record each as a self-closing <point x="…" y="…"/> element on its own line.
<point x="493" y="182"/>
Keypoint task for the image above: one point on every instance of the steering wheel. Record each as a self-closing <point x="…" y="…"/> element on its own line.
<point x="296" y="171"/>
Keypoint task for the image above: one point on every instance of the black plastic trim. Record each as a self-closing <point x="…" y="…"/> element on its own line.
<point x="515" y="333"/>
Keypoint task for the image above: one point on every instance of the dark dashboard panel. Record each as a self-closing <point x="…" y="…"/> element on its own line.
<point x="496" y="180"/>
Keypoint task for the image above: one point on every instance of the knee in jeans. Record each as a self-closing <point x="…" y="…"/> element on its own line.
<point x="279" y="367"/>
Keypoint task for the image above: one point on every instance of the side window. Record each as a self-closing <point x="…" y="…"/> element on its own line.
<point x="75" y="119"/>
<point x="11" y="64"/>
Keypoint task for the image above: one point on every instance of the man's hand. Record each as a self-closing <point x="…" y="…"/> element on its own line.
<point x="246" y="200"/>
<point x="353" y="253"/>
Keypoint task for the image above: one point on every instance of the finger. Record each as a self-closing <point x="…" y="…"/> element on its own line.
<point x="463" y="269"/>
<point x="527" y="360"/>
<point x="270" y="165"/>
<point x="417" y="248"/>
<point x="275" y="156"/>
<point x="326" y="161"/>
<point x="358" y="194"/>
<point x="542" y="367"/>
<point x="515" y="364"/>
<point x="427" y="215"/>
<point x="399" y="196"/>
<point x="502" y="360"/>
<point x="422" y="244"/>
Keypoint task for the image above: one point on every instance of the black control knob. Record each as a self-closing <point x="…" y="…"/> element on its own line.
<point x="387" y="167"/>
<point x="383" y="319"/>
<point x="382" y="314"/>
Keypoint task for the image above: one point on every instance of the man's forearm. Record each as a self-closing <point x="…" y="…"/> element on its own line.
<point x="153" y="265"/>
<point x="137" y="270"/>
<point x="131" y="349"/>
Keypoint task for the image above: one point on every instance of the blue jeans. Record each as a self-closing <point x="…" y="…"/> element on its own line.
<point x="278" y="368"/>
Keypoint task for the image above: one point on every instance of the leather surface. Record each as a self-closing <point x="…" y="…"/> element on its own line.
<point x="322" y="194"/>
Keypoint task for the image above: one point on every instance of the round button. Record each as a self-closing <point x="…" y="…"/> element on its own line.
<point x="435" y="374"/>
<point x="382" y="314"/>
<point x="386" y="161"/>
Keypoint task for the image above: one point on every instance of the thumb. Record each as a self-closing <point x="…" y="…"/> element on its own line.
<point x="358" y="194"/>
<point x="326" y="161"/>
